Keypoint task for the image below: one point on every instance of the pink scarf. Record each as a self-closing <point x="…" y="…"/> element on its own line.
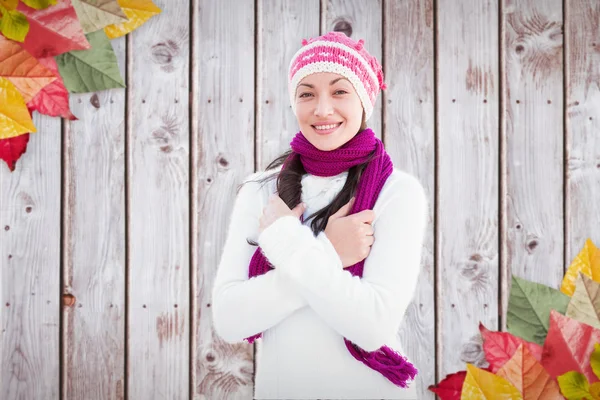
<point x="385" y="360"/>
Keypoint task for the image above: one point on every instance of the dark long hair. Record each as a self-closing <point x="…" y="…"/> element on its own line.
<point x="289" y="186"/>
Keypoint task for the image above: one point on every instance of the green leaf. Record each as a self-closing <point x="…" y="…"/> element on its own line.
<point x="14" y="25"/>
<point x="97" y="14"/>
<point x="529" y="305"/>
<point x="585" y="302"/>
<point x="85" y="71"/>
<point x="574" y="386"/>
<point x="39" y="4"/>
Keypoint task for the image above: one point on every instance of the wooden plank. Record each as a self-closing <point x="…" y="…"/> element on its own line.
<point x="359" y="20"/>
<point x="582" y="57"/>
<point x="409" y="131"/>
<point x="158" y="362"/>
<point x="281" y="26"/>
<point x="468" y="152"/>
<point x="30" y="266"/>
<point x="94" y="221"/>
<point x="223" y="118"/>
<point x="533" y="133"/>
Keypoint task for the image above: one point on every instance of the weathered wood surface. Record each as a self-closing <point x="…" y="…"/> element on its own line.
<point x="158" y="206"/>
<point x="112" y="226"/>
<point x="467" y="178"/>
<point x="94" y="244"/>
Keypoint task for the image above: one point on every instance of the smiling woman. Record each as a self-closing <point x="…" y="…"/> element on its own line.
<point x="339" y="238"/>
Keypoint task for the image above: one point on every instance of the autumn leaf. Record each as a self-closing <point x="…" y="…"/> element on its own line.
<point x="585" y="302"/>
<point x="53" y="31"/>
<point x="568" y="347"/>
<point x="499" y="347"/>
<point x="97" y="14"/>
<point x="53" y="99"/>
<point x="586" y="262"/>
<point x="450" y="387"/>
<point x="39" y="4"/>
<point x="529" y="376"/>
<point x="91" y="70"/>
<point x="9" y="4"/>
<point x="529" y="306"/>
<point x="11" y="149"/>
<point x="481" y="384"/>
<point x="137" y="11"/>
<point x="14" y="116"/>
<point x="574" y="386"/>
<point x="595" y="360"/>
<point x="13" y="24"/>
<point x="23" y="70"/>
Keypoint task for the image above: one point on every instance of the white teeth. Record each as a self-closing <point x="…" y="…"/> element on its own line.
<point x="321" y="127"/>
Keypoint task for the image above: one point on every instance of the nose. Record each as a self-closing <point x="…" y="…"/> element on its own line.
<point x="324" y="107"/>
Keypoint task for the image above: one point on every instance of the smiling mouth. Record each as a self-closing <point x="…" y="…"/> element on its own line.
<point x="329" y="127"/>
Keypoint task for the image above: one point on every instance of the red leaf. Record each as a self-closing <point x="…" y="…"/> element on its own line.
<point x="52" y="99"/>
<point x="451" y="387"/>
<point x="12" y="148"/>
<point x="568" y="346"/>
<point x="53" y="30"/>
<point x="499" y="347"/>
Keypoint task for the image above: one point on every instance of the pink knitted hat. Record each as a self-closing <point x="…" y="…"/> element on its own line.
<point x="335" y="52"/>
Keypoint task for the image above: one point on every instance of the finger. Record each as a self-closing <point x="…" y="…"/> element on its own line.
<point x="366" y="216"/>
<point x="368" y="229"/>
<point x="345" y="209"/>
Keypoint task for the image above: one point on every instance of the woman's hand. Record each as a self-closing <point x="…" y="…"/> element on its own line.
<point x="276" y="208"/>
<point x="351" y="235"/>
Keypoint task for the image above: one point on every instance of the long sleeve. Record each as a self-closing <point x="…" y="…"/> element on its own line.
<point x="366" y="311"/>
<point x="243" y="307"/>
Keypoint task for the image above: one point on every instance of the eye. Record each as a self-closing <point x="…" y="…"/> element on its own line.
<point x="302" y="95"/>
<point x="342" y="91"/>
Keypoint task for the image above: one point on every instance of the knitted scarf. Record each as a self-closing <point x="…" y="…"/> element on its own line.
<point x="385" y="360"/>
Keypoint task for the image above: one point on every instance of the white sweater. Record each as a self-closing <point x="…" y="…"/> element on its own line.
<point x="309" y="303"/>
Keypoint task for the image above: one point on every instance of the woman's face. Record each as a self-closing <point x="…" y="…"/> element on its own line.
<point x="326" y="99"/>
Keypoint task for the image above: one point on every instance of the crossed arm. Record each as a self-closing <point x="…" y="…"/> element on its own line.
<point x="309" y="272"/>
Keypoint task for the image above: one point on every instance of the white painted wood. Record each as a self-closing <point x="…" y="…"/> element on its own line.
<point x="224" y="111"/>
<point x="467" y="171"/>
<point x="582" y="57"/>
<point x="281" y="26"/>
<point x="94" y="247"/>
<point x="30" y="226"/>
<point x="360" y="20"/>
<point x="158" y="186"/>
<point x="533" y="137"/>
<point x="410" y="140"/>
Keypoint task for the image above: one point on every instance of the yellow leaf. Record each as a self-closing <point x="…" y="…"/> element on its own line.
<point x="595" y="391"/>
<point x="14" y="25"/>
<point x="586" y="262"/>
<point x="574" y="386"/>
<point x="138" y="12"/>
<point x="595" y="360"/>
<point x="483" y="385"/>
<point x="584" y="305"/>
<point x="14" y="116"/>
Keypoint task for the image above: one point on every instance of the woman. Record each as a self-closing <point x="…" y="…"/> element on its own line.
<point x="339" y="235"/>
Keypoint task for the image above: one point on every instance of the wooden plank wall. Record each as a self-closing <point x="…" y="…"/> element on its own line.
<point x="113" y="225"/>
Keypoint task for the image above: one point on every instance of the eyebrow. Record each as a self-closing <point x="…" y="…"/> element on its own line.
<point x="330" y="83"/>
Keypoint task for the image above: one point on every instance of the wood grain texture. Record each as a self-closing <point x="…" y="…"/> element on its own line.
<point x="360" y="20"/>
<point x="30" y="226"/>
<point x="94" y="252"/>
<point x="533" y="134"/>
<point x="409" y="138"/>
<point x="158" y="181"/>
<point x="582" y="58"/>
<point x="224" y="106"/>
<point x="467" y="170"/>
<point x="280" y="28"/>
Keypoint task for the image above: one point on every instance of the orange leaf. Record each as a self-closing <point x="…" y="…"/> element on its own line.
<point x="529" y="377"/>
<point x="23" y="70"/>
<point x="586" y="262"/>
<point x="53" y="99"/>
